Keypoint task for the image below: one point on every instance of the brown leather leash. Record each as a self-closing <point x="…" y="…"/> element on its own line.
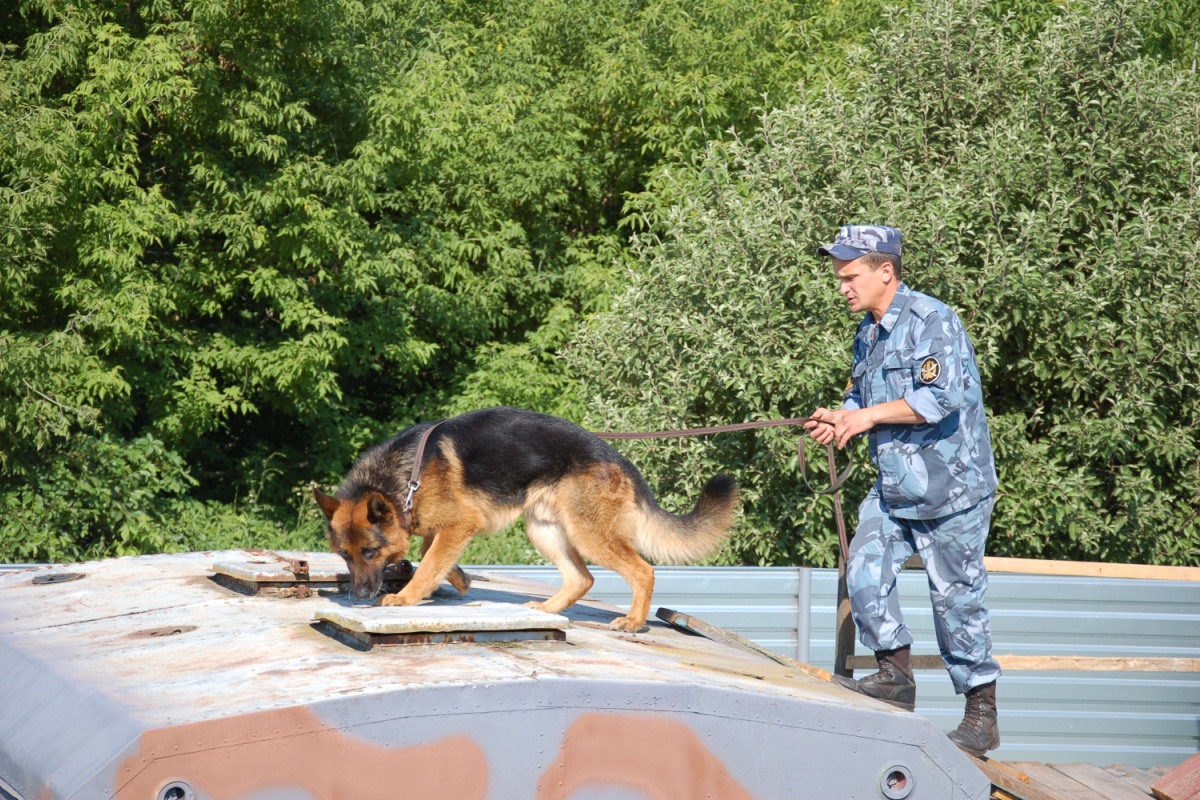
<point x="835" y="480"/>
<point x="414" y="480"/>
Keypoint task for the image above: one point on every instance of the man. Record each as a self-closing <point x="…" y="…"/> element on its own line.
<point x="915" y="391"/>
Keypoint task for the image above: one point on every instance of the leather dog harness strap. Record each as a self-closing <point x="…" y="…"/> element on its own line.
<point x="414" y="480"/>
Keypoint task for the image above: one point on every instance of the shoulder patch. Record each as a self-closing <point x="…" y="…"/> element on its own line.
<point x="923" y="306"/>
<point x="931" y="370"/>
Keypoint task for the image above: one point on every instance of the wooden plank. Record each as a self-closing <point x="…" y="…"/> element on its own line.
<point x="1053" y="782"/>
<point x="1009" y="769"/>
<point x="1055" y="663"/>
<point x="916" y="662"/>
<point x="1083" y="569"/>
<point x="697" y="625"/>
<point x="1003" y="776"/>
<point x="1109" y="787"/>
<point x="843" y="630"/>
<point x="1138" y="778"/>
<point x="1090" y="569"/>
<point x="1181" y="783"/>
<point x="1086" y="664"/>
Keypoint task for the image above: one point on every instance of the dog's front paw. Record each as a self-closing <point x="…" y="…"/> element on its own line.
<point x="397" y="599"/>
<point x="626" y="624"/>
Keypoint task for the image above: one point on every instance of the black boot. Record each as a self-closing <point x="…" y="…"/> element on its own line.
<point x="979" y="730"/>
<point x="893" y="684"/>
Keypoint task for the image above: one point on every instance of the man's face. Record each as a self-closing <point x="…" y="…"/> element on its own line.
<point x="865" y="289"/>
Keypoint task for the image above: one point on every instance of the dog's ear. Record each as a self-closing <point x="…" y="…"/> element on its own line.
<point x="378" y="509"/>
<point x="328" y="504"/>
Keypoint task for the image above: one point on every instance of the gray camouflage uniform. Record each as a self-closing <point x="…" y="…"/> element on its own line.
<point x="936" y="484"/>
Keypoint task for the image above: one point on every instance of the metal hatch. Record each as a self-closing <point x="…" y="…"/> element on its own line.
<point x="436" y="624"/>
<point x="292" y="574"/>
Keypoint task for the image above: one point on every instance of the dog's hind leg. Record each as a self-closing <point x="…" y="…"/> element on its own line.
<point x="550" y="540"/>
<point x="620" y="556"/>
<point x="600" y="519"/>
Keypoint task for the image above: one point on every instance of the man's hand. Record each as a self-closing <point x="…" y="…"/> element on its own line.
<point x="841" y="426"/>
<point x="822" y="425"/>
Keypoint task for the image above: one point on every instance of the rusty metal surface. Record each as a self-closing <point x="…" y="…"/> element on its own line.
<point x="282" y="565"/>
<point x="166" y="675"/>
<point x="284" y="573"/>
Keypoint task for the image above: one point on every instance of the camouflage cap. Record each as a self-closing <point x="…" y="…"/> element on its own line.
<point x="855" y="241"/>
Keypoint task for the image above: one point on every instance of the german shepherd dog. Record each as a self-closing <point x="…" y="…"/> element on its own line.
<point x="581" y="499"/>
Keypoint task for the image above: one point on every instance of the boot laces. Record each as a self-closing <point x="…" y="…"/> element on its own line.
<point x="976" y="713"/>
<point x="884" y="675"/>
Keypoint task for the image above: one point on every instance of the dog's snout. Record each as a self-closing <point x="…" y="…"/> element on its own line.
<point x="367" y="588"/>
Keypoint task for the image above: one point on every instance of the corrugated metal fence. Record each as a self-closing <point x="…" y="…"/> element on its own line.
<point x="1134" y="718"/>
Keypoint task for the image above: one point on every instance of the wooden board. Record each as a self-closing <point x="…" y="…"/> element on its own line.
<point x="1090" y="569"/>
<point x="1054" y="783"/>
<point x="1012" y="781"/>
<point x="1140" y="779"/>
<point x="1101" y="782"/>
<point x="1053" y="663"/>
<point x="1181" y="783"/>
<point x="697" y="625"/>
<point x="1083" y="569"/>
<point x="1086" y="664"/>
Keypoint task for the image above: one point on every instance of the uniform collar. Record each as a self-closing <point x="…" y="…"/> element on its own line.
<point x="895" y="308"/>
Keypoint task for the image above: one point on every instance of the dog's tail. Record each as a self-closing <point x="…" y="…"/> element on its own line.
<point x="667" y="538"/>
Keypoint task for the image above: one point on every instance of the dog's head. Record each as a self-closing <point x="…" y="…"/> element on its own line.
<point x="368" y="533"/>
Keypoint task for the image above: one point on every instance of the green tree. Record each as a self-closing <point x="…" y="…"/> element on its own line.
<point x="166" y="198"/>
<point x="1047" y="182"/>
<point x="242" y="242"/>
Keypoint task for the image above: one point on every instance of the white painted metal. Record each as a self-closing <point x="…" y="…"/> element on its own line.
<point x="146" y="672"/>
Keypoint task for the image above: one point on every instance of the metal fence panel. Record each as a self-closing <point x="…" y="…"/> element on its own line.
<point x="1138" y="719"/>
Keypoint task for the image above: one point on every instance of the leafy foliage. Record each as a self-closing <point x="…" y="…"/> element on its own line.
<point x="1047" y="182"/>
<point x="240" y="242"/>
<point x="243" y="241"/>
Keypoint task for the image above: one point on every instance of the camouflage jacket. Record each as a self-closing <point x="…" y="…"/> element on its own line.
<point x="919" y="351"/>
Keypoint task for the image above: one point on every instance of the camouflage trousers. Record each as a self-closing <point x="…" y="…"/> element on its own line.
<point x="952" y="549"/>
